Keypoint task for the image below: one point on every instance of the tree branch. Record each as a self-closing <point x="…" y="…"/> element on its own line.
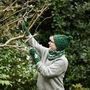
<point x="10" y="40"/>
<point x="36" y="16"/>
<point x="42" y="22"/>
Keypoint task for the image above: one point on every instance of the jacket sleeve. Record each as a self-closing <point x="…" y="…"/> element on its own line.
<point x="54" y="69"/>
<point x="41" y="50"/>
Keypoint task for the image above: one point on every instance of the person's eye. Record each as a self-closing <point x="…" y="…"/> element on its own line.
<point x="51" y="41"/>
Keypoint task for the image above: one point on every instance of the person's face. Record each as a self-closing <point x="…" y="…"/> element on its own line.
<point x="51" y="43"/>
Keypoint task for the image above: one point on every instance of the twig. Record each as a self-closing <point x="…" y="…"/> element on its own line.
<point x="15" y="38"/>
<point x="11" y="7"/>
<point x="12" y="14"/>
<point x="37" y="16"/>
<point x="17" y="19"/>
<point x="13" y="2"/>
<point x="42" y="22"/>
<point x="28" y="38"/>
<point x="10" y="40"/>
<point x="20" y="48"/>
<point x="27" y="12"/>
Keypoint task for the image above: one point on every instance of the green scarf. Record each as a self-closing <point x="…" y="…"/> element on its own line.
<point x="53" y="54"/>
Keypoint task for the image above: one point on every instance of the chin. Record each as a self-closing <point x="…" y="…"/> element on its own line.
<point x="50" y="48"/>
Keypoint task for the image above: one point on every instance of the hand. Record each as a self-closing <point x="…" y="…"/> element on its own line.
<point x="21" y="25"/>
<point x="34" y="55"/>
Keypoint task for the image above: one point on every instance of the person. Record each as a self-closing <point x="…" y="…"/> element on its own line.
<point x="51" y="62"/>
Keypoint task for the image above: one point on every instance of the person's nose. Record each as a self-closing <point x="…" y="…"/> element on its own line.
<point x="49" y="43"/>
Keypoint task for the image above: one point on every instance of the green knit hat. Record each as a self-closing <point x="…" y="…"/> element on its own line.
<point x="62" y="41"/>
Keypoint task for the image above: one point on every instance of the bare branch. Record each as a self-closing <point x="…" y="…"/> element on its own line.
<point x="42" y="22"/>
<point x="12" y="39"/>
<point x="36" y="16"/>
<point x="11" y="7"/>
<point x="28" y="38"/>
<point x="33" y="16"/>
<point x="12" y="14"/>
<point x="20" y="48"/>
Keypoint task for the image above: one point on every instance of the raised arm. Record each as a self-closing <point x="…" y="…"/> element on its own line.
<point x="40" y="49"/>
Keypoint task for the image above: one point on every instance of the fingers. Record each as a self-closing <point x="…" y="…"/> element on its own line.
<point x="19" y="22"/>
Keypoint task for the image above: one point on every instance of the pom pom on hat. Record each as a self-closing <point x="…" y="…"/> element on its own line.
<point x="70" y="37"/>
<point x="62" y="41"/>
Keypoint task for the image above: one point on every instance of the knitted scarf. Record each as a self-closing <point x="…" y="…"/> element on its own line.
<point x="53" y="54"/>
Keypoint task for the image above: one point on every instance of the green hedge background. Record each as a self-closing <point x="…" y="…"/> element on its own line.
<point x="69" y="17"/>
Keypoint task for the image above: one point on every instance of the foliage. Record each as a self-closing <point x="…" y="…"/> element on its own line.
<point x="69" y="17"/>
<point x="20" y="70"/>
<point x="4" y="78"/>
<point x="20" y="73"/>
<point x="79" y="87"/>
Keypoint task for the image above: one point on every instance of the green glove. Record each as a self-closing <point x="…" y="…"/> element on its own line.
<point x="23" y="27"/>
<point x="34" y="55"/>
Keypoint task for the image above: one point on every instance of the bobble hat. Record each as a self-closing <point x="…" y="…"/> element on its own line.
<point x="62" y="41"/>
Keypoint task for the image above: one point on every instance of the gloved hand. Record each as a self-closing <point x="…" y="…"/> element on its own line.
<point x="22" y="26"/>
<point x="34" y="55"/>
